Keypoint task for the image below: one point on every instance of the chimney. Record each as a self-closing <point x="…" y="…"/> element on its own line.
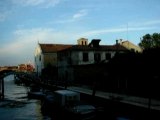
<point x="95" y="43"/>
<point x="116" y="42"/>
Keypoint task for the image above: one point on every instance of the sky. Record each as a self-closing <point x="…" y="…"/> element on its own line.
<point x="25" y="23"/>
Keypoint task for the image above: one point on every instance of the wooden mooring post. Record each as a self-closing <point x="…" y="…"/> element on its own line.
<point x="1" y="88"/>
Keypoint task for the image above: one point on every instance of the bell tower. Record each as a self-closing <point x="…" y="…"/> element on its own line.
<point x="82" y="41"/>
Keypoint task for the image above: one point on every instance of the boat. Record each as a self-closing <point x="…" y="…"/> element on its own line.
<point x="67" y="104"/>
<point x="35" y="95"/>
<point x="35" y="92"/>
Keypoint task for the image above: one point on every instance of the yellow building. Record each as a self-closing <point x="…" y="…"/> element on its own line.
<point x="130" y="46"/>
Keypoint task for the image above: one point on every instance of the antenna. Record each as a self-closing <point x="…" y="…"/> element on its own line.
<point x="127" y="31"/>
<point x="38" y="40"/>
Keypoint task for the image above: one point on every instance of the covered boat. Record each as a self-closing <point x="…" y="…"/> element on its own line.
<point x="67" y="104"/>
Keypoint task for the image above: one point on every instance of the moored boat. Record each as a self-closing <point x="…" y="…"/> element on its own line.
<point x="67" y="104"/>
<point x="35" y="92"/>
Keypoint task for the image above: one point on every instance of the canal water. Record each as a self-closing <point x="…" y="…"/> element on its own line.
<point x="16" y="105"/>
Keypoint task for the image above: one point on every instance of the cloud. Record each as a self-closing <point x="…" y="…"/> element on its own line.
<point x="77" y="16"/>
<point x="24" y="42"/>
<point x="42" y="35"/>
<point x="42" y="3"/>
<point x="80" y="14"/>
<point x="144" y="23"/>
<point x="153" y="22"/>
<point x="113" y="30"/>
<point x="21" y="50"/>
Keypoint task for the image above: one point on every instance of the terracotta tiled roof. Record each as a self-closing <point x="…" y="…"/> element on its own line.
<point x="114" y="47"/>
<point x="49" y="48"/>
<point x="100" y="48"/>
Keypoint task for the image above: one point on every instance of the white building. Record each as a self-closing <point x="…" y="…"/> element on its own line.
<point x="84" y="54"/>
<point x="65" y="57"/>
<point x="46" y="54"/>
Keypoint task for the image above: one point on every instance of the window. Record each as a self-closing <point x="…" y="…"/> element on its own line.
<point x="69" y="60"/>
<point x="97" y="57"/>
<point x="82" y="43"/>
<point x="85" y="57"/>
<point x="40" y="58"/>
<point x="108" y="56"/>
<point x="85" y="42"/>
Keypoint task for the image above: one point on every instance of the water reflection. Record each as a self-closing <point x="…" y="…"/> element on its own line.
<point x="12" y="91"/>
<point x="16" y="105"/>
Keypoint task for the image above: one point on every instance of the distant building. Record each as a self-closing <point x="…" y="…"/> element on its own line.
<point x="15" y="68"/>
<point x="30" y="68"/>
<point x="130" y="46"/>
<point x="25" y="68"/>
<point x="20" y="68"/>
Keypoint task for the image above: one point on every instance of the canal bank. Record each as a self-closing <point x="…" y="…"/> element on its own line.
<point x="16" y="105"/>
<point x="114" y="109"/>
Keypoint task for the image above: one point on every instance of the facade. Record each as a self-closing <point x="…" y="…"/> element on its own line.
<point x="88" y="54"/>
<point x="130" y="46"/>
<point x="15" y="68"/>
<point x="81" y="54"/>
<point x="65" y="57"/>
<point x="20" y="68"/>
<point x="25" y="68"/>
<point x="46" y="54"/>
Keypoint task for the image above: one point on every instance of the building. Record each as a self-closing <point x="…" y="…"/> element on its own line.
<point x="25" y="68"/>
<point x="88" y="54"/>
<point x="14" y="68"/>
<point x="65" y="57"/>
<point x="20" y="68"/>
<point x="46" y="54"/>
<point x="127" y="44"/>
<point x="80" y="54"/>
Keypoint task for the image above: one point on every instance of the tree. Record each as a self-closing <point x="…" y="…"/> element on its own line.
<point x="150" y="41"/>
<point x="156" y="39"/>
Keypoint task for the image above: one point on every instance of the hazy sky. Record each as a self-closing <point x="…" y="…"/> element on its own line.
<point x="25" y="22"/>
